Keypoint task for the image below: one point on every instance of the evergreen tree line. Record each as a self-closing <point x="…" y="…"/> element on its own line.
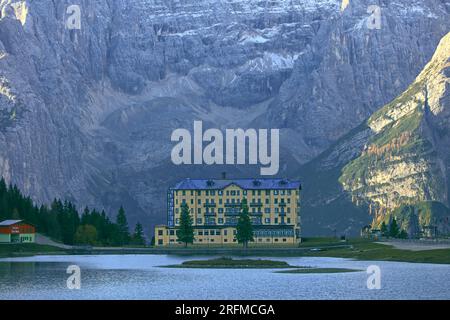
<point x="63" y="222"/>
<point x="393" y="230"/>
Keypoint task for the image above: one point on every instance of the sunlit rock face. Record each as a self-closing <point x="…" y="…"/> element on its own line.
<point x="399" y="156"/>
<point x="87" y="114"/>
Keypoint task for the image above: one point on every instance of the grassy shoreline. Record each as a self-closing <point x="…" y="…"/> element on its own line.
<point x="26" y="250"/>
<point x="357" y="249"/>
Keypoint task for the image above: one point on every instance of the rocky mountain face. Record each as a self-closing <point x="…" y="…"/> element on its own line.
<point x="87" y="114"/>
<point x="398" y="160"/>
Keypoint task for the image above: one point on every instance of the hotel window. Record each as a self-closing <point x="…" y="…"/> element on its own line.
<point x="275" y="192"/>
<point x="244" y="192"/>
<point x="177" y="221"/>
<point x="289" y="192"/>
<point x="267" y="210"/>
<point x="288" y="220"/>
<point x="276" y="220"/>
<point x="275" y="201"/>
<point x="253" y="192"/>
<point x="220" y="192"/>
<point x="225" y="232"/>
<point x="228" y="192"/>
<point x="220" y="201"/>
<point x="238" y="193"/>
<point x="259" y="192"/>
<point x="225" y="240"/>
<point x="206" y="233"/>
<point x="282" y="192"/>
<point x="183" y="193"/>
<point x="199" y="221"/>
<point x="172" y="232"/>
<point x="213" y="193"/>
<point x="277" y="210"/>
<point x="217" y="232"/>
<point x="176" y="210"/>
<point x="267" y="220"/>
<point x="207" y="192"/>
<point x="199" y="192"/>
<point x="233" y="193"/>
<point x="200" y="233"/>
<point x="199" y="211"/>
<point x="220" y="220"/>
<point x="220" y="210"/>
<point x="234" y="232"/>
<point x="267" y="200"/>
<point x="192" y="192"/>
<point x="192" y="201"/>
<point x="288" y="210"/>
<point x="199" y="201"/>
<point x="289" y="200"/>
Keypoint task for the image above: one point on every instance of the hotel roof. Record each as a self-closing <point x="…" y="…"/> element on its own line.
<point x="246" y="184"/>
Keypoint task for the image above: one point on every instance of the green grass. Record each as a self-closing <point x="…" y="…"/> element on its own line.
<point x="224" y="263"/>
<point x="367" y="250"/>
<point x="319" y="270"/>
<point x="29" y="249"/>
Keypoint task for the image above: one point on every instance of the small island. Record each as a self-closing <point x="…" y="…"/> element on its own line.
<point x="230" y="263"/>
<point x="225" y="263"/>
<point x="319" y="270"/>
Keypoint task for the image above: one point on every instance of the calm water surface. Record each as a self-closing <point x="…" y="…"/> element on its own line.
<point x="141" y="277"/>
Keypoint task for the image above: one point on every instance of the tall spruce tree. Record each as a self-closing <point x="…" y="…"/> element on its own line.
<point x="393" y="228"/>
<point x="244" y="228"/>
<point x="122" y="224"/>
<point x="185" y="233"/>
<point x="384" y="230"/>
<point x="138" y="236"/>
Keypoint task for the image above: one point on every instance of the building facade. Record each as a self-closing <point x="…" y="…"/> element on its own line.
<point x="17" y="231"/>
<point x="274" y="208"/>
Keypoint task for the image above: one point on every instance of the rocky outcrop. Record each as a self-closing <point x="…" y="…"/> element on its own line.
<point x="399" y="156"/>
<point x="87" y="114"/>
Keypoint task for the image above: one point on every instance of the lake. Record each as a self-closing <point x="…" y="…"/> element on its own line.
<point x="141" y="277"/>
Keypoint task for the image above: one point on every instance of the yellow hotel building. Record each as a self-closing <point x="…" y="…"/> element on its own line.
<point x="215" y="205"/>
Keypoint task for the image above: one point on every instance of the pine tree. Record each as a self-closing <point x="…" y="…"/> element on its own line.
<point x="185" y="233"/>
<point x="384" y="231"/>
<point x="138" y="236"/>
<point x="403" y="234"/>
<point x="122" y="224"/>
<point x="244" y="227"/>
<point x="393" y="228"/>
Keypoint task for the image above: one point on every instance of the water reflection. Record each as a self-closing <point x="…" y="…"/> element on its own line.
<point x="141" y="277"/>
